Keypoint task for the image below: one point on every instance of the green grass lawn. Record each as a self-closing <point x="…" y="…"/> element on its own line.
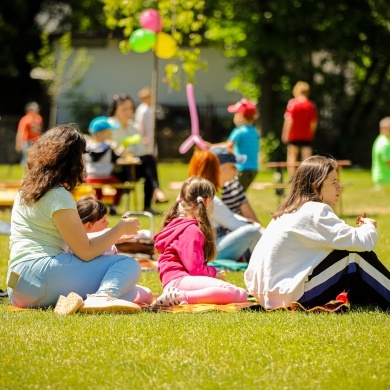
<point x="214" y="350"/>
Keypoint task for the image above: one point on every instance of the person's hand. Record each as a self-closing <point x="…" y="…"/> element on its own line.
<point x="130" y="225"/>
<point x="359" y="219"/>
<point x="362" y="220"/>
<point x="221" y="275"/>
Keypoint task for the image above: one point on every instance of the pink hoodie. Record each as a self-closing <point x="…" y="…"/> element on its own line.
<point x="180" y="245"/>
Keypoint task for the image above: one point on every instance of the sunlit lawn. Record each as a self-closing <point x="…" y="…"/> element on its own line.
<point x="214" y="350"/>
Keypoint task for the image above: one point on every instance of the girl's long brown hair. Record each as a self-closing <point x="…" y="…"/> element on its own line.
<point x="54" y="160"/>
<point x="306" y="184"/>
<point x="191" y="189"/>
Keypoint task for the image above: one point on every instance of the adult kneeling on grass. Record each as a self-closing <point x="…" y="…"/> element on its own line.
<point x="46" y="229"/>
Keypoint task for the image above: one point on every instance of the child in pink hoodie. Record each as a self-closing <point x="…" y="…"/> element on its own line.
<point x="186" y="244"/>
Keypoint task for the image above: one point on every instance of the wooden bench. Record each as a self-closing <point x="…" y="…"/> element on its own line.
<point x="108" y="191"/>
<point x="9" y="190"/>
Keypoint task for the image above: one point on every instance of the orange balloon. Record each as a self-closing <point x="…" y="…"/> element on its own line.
<point x="165" y="46"/>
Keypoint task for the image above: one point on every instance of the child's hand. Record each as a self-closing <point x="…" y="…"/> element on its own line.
<point x="221" y="275"/>
<point x="362" y="220"/>
<point x="130" y="225"/>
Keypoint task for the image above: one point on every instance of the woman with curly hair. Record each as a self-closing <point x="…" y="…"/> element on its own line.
<point x="51" y="255"/>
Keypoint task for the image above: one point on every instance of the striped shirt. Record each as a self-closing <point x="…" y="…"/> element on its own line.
<point x="233" y="195"/>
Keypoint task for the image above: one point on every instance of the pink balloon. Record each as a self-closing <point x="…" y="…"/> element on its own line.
<point x="150" y="19"/>
<point x="194" y="138"/>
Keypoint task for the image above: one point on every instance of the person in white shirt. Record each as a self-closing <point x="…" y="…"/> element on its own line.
<point x="122" y="112"/>
<point x="144" y="118"/>
<point x="309" y="255"/>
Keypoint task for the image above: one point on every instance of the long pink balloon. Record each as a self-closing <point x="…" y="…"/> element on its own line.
<point x="194" y="138"/>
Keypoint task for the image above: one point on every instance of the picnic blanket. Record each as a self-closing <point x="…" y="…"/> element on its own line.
<point x="330" y="307"/>
<point x="229" y="265"/>
<point x="340" y="305"/>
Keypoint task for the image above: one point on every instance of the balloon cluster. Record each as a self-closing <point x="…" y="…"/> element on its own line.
<point x="150" y="36"/>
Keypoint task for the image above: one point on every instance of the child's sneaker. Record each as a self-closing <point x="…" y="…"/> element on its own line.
<point x="69" y="304"/>
<point x="171" y="297"/>
<point x="107" y="303"/>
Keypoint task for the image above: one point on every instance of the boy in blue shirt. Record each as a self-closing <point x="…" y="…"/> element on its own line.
<point x="244" y="140"/>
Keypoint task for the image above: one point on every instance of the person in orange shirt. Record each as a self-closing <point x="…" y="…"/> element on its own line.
<point x="29" y="129"/>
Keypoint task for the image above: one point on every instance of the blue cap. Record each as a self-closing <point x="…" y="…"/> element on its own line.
<point x="102" y="123"/>
<point x="224" y="156"/>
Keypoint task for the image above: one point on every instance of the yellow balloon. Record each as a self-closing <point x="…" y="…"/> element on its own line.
<point x="165" y="46"/>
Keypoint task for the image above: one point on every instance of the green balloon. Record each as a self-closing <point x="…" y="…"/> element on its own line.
<point x="142" y="40"/>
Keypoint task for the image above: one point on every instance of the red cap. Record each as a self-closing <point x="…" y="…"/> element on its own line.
<point x="245" y="107"/>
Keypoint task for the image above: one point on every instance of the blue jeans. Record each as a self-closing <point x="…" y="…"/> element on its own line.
<point x="234" y="244"/>
<point x="43" y="280"/>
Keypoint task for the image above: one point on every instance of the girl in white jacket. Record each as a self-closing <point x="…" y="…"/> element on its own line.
<point x="309" y="255"/>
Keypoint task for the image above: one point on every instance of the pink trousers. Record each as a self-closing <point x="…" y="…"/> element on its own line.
<point x="204" y="289"/>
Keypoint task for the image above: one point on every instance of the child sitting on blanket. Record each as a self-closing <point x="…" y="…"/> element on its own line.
<point x="93" y="214"/>
<point x="186" y="244"/>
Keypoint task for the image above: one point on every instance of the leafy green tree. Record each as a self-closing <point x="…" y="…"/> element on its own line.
<point x="183" y="20"/>
<point x="22" y="23"/>
<point x="336" y="45"/>
<point x="61" y="70"/>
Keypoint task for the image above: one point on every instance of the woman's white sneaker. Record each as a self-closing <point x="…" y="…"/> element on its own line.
<point x="107" y="303"/>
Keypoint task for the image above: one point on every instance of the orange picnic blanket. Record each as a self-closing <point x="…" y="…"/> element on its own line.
<point x="330" y="307"/>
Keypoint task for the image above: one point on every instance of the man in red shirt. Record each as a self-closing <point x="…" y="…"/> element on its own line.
<point x="29" y="129"/>
<point x="300" y="124"/>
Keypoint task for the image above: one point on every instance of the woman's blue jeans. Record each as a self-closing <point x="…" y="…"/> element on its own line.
<point x="234" y="244"/>
<point x="43" y="280"/>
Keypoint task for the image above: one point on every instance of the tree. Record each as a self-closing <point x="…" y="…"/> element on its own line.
<point x="184" y="20"/>
<point x="61" y="69"/>
<point x="22" y="23"/>
<point x="275" y="43"/>
<point x="335" y="45"/>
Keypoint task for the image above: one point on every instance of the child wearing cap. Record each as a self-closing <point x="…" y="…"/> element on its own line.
<point x="233" y="194"/>
<point x="244" y="140"/>
<point x="100" y="159"/>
